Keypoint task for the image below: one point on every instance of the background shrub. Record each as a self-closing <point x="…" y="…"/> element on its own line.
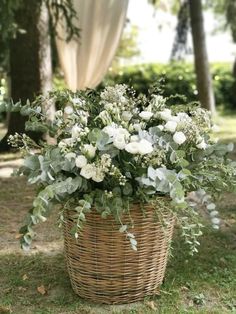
<point x="179" y="78"/>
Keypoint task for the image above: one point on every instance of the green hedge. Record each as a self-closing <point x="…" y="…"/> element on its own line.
<point x="179" y="79"/>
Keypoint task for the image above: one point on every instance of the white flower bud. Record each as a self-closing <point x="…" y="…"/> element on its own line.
<point x="146" y="115"/>
<point x="89" y="150"/>
<point x="215" y="221"/>
<point x="75" y="131"/>
<point x="214" y="213"/>
<point x="211" y="206"/>
<point x="126" y="115"/>
<point x="68" y="110"/>
<point x="202" y="145"/>
<point x="179" y="138"/>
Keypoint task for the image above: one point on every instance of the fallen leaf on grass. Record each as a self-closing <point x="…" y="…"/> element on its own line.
<point x="5" y="310"/>
<point x="42" y="290"/>
<point x="25" y="277"/>
<point x="22" y="289"/>
<point x="18" y="236"/>
<point x="151" y="305"/>
<point x="184" y="288"/>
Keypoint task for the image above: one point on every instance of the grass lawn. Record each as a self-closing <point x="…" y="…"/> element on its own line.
<point x="37" y="282"/>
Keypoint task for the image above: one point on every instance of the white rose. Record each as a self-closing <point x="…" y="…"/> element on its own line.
<point x="70" y="156"/>
<point x="134" y="138"/>
<point x="132" y="148"/>
<point x="202" y="145"/>
<point x="123" y="132"/>
<point x="89" y="150"/>
<point x="111" y="130"/>
<point x="179" y="138"/>
<point x="126" y="115"/>
<point x="68" y="110"/>
<point x="171" y="126"/>
<point x="166" y="114"/>
<point x="75" y="131"/>
<point x="81" y="161"/>
<point x="119" y="142"/>
<point x="146" y="115"/>
<point x="145" y="147"/>
<point x="88" y="171"/>
<point x="98" y="176"/>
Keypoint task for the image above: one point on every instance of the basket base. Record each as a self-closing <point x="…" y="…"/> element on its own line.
<point x="102" y="266"/>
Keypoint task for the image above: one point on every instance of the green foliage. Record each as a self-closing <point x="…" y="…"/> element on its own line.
<point x="179" y="78"/>
<point x="113" y="148"/>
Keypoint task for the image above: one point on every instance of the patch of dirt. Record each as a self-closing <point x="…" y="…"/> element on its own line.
<point x="16" y="197"/>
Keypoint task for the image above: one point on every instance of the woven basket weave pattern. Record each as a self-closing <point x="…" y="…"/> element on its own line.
<point x="103" y="267"/>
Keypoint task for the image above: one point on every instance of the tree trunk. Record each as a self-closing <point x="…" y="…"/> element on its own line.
<point x="204" y="82"/>
<point x="30" y="62"/>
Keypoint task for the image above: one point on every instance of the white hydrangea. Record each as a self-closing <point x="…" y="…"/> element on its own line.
<point x="88" y="171"/>
<point x="81" y="161"/>
<point x="146" y="115"/>
<point x="179" y="138"/>
<point x="171" y="126"/>
<point x="89" y="150"/>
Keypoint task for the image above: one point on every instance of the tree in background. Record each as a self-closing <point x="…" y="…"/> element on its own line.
<point x="180" y="45"/>
<point x="192" y="9"/>
<point x="204" y="82"/>
<point x="25" y="27"/>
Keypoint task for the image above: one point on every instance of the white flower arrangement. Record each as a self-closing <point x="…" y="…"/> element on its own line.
<point x="114" y="148"/>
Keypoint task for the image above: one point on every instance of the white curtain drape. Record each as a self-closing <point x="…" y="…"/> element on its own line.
<point x="86" y="60"/>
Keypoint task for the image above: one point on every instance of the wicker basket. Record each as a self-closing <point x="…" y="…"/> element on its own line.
<point x="103" y="267"/>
